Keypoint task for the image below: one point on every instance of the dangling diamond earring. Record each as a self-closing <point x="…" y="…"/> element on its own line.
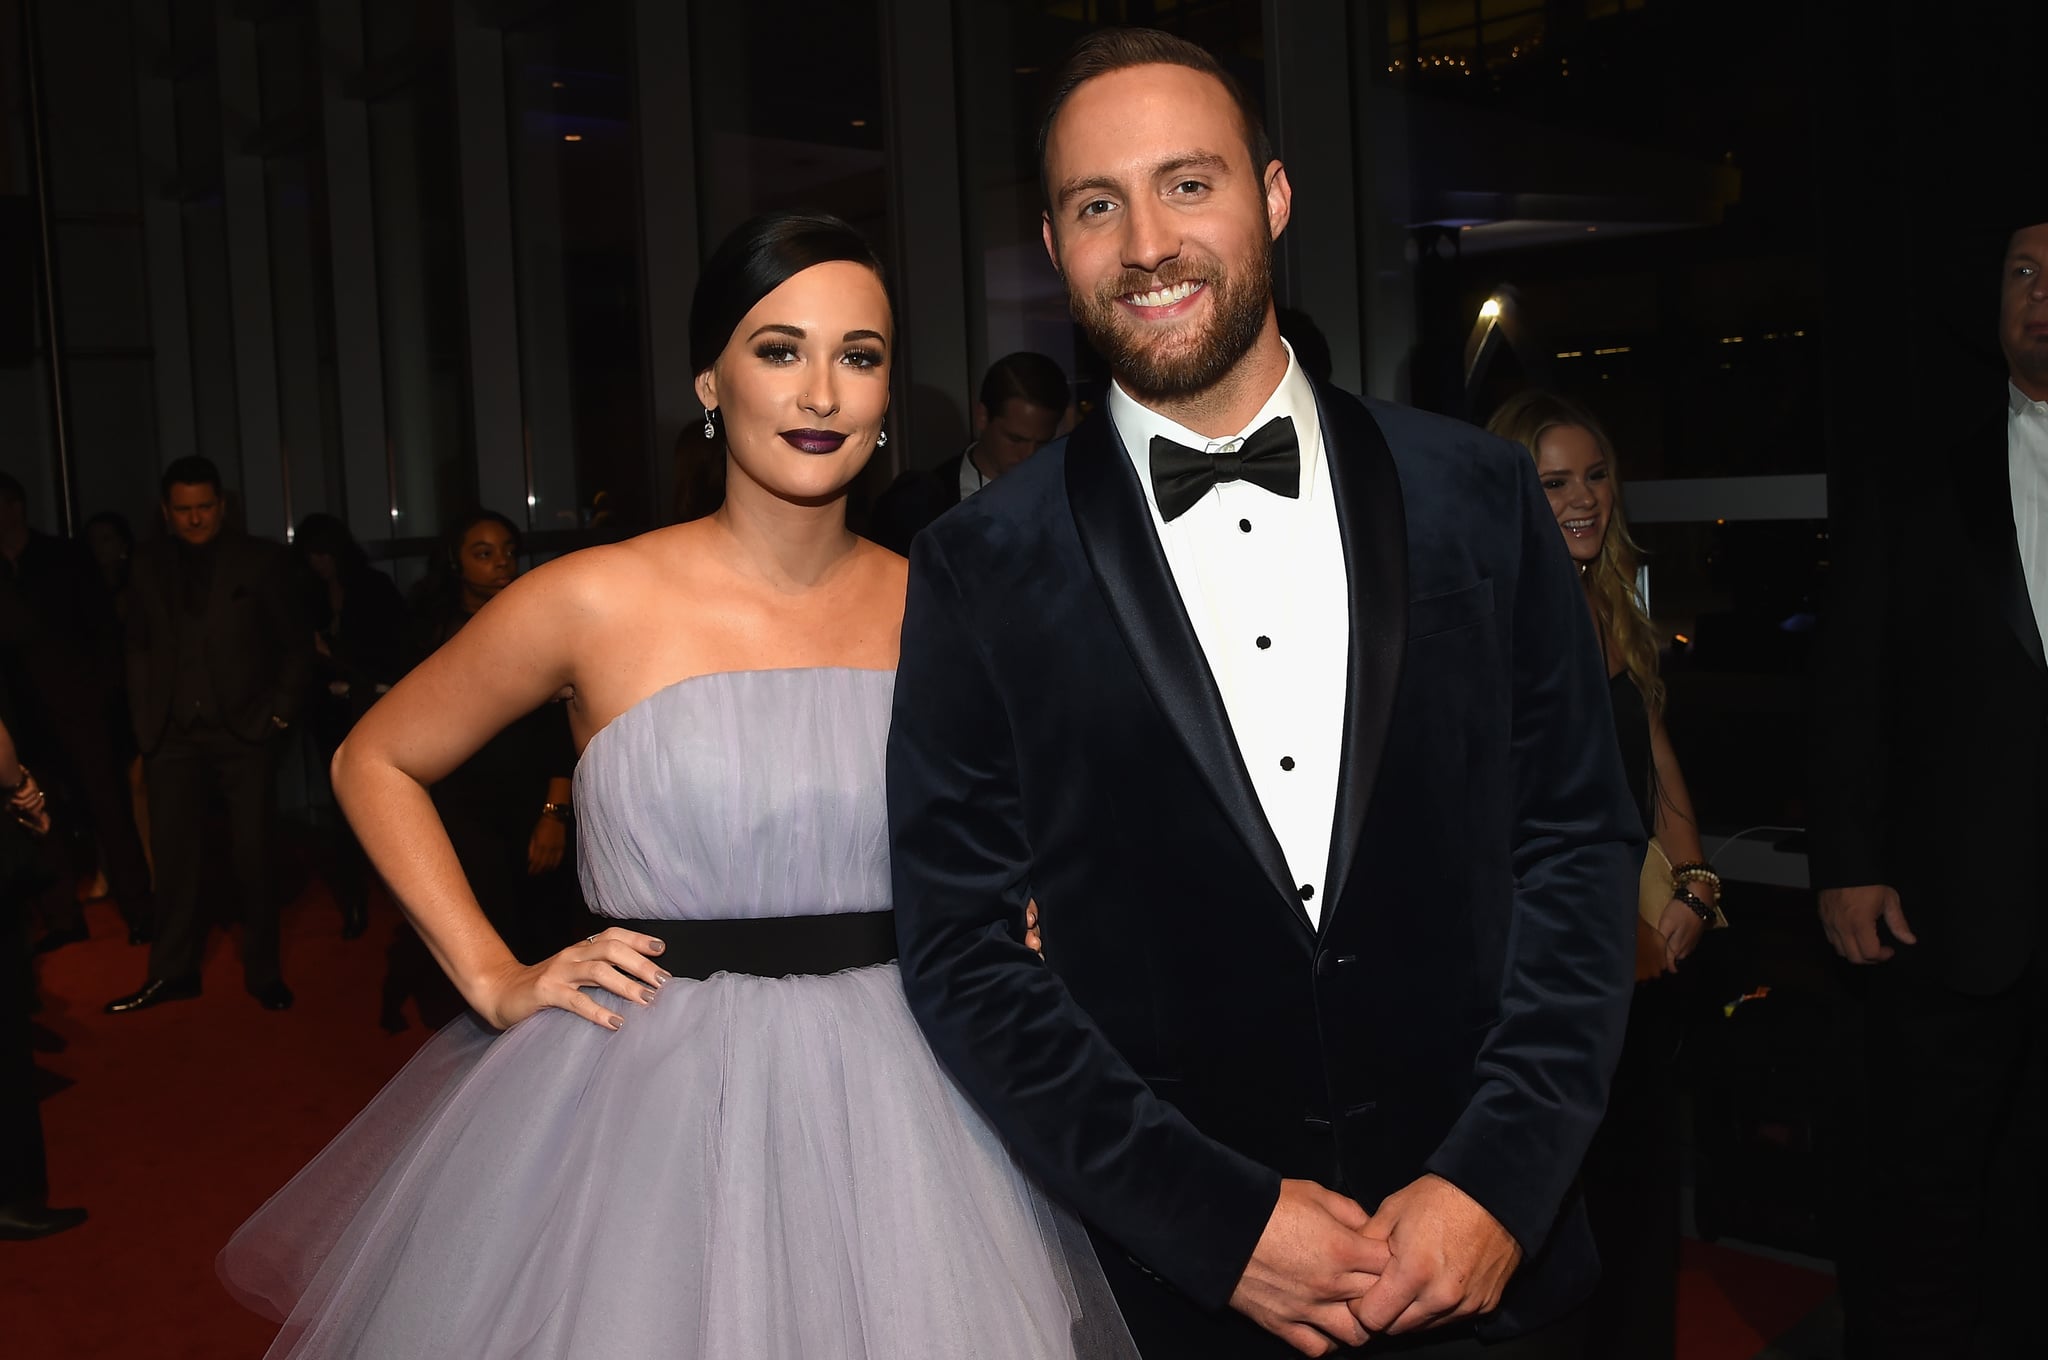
<point x="709" y="433"/>
<point x="881" y="438"/>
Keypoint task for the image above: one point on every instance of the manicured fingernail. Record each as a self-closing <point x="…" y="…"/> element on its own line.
<point x="659" y="945"/>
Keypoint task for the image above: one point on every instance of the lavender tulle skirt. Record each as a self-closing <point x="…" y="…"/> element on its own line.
<point x="750" y="1167"/>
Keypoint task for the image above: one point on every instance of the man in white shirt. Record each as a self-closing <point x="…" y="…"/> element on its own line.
<point x="1930" y="798"/>
<point x="1287" y="711"/>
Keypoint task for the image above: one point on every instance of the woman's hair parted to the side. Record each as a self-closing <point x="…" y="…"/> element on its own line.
<point x="761" y="255"/>
<point x="1611" y="579"/>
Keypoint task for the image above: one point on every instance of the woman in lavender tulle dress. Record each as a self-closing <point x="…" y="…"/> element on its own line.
<point x="713" y="1129"/>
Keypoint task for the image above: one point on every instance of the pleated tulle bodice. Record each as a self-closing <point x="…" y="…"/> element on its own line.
<point x="740" y="794"/>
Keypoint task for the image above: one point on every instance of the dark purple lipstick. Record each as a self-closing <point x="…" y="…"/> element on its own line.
<point x="814" y="441"/>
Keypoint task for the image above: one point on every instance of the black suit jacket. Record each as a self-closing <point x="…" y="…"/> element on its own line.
<point x="1932" y="720"/>
<point x="1057" y="733"/>
<point x="913" y="501"/>
<point x="259" y="643"/>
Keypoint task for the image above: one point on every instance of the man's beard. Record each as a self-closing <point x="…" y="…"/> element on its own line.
<point x="1183" y="364"/>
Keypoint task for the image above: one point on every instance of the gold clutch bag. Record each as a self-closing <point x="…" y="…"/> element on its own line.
<point x="1654" y="890"/>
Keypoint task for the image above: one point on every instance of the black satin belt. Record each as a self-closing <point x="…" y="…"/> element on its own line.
<point x="772" y="946"/>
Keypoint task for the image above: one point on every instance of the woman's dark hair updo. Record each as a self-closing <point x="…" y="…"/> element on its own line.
<point x="761" y="255"/>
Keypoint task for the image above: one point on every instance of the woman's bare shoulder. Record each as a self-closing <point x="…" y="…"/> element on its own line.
<point x="606" y="576"/>
<point x="889" y="567"/>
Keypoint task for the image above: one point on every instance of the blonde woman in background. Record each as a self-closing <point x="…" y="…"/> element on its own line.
<point x="1631" y="1173"/>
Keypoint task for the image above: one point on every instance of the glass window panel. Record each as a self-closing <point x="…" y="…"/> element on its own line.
<point x="1007" y="52"/>
<point x="1393" y="15"/>
<point x="287" y="70"/>
<point x="102" y="282"/>
<point x="575" y="223"/>
<point x="420" y="306"/>
<point x="396" y="29"/>
<point x="198" y="104"/>
<point x="1433" y="17"/>
<point x="211" y="332"/>
<point x="1735" y="605"/>
<point x="301" y="294"/>
<point x="1510" y="41"/>
<point x="790" y="115"/>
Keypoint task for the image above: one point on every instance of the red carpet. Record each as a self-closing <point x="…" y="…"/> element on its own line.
<point x="1732" y="1304"/>
<point x="181" y="1120"/>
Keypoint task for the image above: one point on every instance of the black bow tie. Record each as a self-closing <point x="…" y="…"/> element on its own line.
<point x="1270" y="459"/>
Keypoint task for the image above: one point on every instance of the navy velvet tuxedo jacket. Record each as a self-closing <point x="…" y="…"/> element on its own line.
<point x="1190" y="1038"/>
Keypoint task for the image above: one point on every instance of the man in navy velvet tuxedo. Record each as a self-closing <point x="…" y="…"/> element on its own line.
<point x="1287" y="711"/>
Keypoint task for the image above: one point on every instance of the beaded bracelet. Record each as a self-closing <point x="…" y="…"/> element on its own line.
<point x="1691" y="899"/>
<point x="1695" y="872"/>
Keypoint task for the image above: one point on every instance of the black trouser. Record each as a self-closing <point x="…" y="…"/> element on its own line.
<point x="182" y="772"/>
<point x="1631" y="1181"/>
<point x="23" y="1178"/>
<point x="1946" y="1252"/>
<point x="95" y="771"/>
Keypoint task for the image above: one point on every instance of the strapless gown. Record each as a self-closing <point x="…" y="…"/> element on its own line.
<point x="751" y="1167"/>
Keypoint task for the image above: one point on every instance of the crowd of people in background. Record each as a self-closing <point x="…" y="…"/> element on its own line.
<point x="149" y="691"/>
<point x="150" y="685"/>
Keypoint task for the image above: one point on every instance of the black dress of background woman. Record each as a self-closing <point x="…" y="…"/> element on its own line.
<point x="1631" y="1174"/>
<point x="507" y="809"/>
<point x="358" y="640"/>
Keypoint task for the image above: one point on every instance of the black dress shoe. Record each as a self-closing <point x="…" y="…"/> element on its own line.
<point x="27" y="1222"/>
<point x="59" y="936"/>
<point x="273" y="996"/>
<point x="154" y="992"/>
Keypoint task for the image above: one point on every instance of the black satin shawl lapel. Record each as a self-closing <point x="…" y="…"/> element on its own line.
<point x="1984" y="484"/>
<point x="1373" y="522"/>
<point x="1114" y="522"/>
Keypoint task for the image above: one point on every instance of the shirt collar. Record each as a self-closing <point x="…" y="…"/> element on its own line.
<point x="2020" y="404"/>
<point x="1295" y="397"/>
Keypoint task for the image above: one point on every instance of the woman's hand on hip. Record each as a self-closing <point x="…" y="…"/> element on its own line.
<point x="618" y="961"/>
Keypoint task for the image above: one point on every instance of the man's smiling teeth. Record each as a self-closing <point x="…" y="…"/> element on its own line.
<point x="1163" y="297"/>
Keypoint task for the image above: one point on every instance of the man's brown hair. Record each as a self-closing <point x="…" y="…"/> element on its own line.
<point x="1119" y="49"/>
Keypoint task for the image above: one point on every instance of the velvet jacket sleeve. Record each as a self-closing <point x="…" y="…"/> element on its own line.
<point x="1071" y="1108"/>
<point x="1543" y="1072"/>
